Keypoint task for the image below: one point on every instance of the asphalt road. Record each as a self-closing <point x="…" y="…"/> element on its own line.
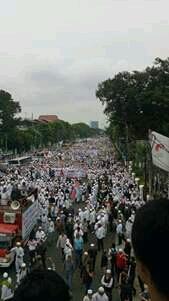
<point x="77" y="287"/>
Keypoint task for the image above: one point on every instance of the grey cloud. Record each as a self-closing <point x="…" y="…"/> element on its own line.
<point x="53" y="63"/>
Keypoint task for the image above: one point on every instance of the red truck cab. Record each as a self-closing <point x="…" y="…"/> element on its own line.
<point x="16" y="224"/>
<point x="8" y="234"/>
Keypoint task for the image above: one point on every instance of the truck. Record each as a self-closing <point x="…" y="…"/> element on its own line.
<point x="17" y="220"/>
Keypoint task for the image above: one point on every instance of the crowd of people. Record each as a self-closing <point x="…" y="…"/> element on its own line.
<point x="87" y="202"/>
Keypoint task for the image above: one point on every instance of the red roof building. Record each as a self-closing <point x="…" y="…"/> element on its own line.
<point x="48" y="118"/>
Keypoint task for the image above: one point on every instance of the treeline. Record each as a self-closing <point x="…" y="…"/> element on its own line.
<point x="23" y="135"/>
<point x="134" y="103"/>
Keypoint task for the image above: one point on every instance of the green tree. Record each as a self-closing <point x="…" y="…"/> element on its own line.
<point x="137" y="101"/>
<point x="82" y="130"/>
<point x="8" y="110"/>
<point x="23" y="141"/>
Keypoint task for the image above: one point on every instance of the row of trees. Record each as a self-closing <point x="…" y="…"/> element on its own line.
<point x="136" y="102"/>
<point x="22" y="135"/>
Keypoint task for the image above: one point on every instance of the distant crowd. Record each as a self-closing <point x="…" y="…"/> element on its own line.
<point x="89" y="219"/>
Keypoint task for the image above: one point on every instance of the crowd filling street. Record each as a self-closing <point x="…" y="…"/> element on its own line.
<point x="87" y="202"/>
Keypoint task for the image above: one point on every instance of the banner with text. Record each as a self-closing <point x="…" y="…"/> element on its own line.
<point x="29" y="219"/>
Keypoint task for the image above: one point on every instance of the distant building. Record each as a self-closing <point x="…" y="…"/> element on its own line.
<point x="48" y="118"/>
<point x="94" y="124"/>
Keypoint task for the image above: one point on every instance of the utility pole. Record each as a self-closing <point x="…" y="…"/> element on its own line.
<point x="127" y="142"/>
<point x="168" y="186"/>
<point x="6" y="143"/>
<point x="147" y="170"/>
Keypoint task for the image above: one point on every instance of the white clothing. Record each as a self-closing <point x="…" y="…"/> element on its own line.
<point x="19" y="254"/>
<point x="128" y="229"/>
<point x="98" y="297"/>
<point x="61" y="242"/>
<point x="44" y="218"/>
<point x="21" y="275"/>
<point x="100" y="233"/>
<point x="92" y="217"/>
<point x="40" y="235"/>
<point x="68" y="249"/>
<point x="119" y="229"/>
<point x="77" y="225"/>
<point x="32" y="244"/>
<point x="6" y="292"/>
<point x="107" y="284"/>
<point x="86" y="215"/>
<point x="81" y="216"/>
<point x="78" y="232"/>
<point x="86" y="298"/>
<point x="51" y="227"/>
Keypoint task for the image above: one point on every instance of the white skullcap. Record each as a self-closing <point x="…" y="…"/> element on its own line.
<point x="23" y="265"/>
<point x="108" y="271"/>
<point x="101" y="289"/>
<point x="90" y="292"/>
<point x="5" y="275"/>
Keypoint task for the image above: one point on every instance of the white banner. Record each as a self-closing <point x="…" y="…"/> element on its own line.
<point x="29" y="219"/>
<point x="160" y="150"/>
<point x="70" y="173"/>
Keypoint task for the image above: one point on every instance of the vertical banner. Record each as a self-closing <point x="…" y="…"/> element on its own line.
<point x="29" y="219"/>
<point x="160" y="150"/>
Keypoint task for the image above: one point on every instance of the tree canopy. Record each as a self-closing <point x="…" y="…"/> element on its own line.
<point x="8" y="109"/>
<point x="24" y="135"/>
<point x="8" y="119"/>
<point x="137" y="101"/>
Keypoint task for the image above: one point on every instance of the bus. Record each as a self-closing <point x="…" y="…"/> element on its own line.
<point x="20" y="160"/>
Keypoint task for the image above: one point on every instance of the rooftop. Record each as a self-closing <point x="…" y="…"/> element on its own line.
<point x="48" y="118"/>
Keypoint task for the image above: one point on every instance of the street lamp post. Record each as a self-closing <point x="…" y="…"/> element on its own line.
<point x="133" y="175"/>
<point x="141" y="188"/>
<point x="130" y="167"/>
<point x="137" y="180"/>
<point x="6" y="143"/>
<point x="127" y="142"/>
<point x="148" y="197"/>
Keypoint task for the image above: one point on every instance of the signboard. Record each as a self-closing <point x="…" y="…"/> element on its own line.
<point x="29" y="219"/>
<point x="4" y="237"/>
<point x="160" y="150"/>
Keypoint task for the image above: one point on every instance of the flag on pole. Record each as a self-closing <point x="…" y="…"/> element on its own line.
<point x="160" y="150"/>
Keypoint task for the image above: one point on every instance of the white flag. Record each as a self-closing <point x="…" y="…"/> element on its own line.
<point x="160" y="150"/>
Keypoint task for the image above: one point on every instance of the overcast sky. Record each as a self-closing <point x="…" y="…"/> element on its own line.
<point x="53" y="53"/>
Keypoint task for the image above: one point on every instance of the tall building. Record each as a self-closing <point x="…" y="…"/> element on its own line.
<point x="94" y="124"/>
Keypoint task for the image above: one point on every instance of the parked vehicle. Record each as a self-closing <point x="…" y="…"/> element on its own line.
<point x="17" y="220"/>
